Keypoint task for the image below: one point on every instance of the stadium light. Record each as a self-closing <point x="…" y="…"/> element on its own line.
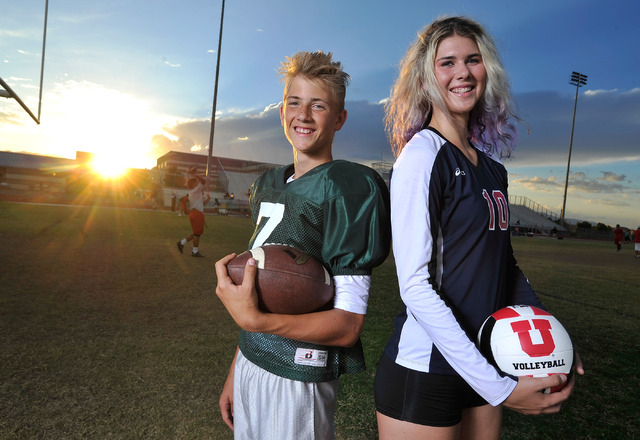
<point x="578" y="80"/>
<point x="215" y="99"/>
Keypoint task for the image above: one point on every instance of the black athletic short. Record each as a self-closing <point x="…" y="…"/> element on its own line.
<point x="422" y="398"/>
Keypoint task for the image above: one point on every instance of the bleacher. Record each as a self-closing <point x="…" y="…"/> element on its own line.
<point x="240" y="183"/>
<point x="229" y="179"/>
<point x="530" y="217"/>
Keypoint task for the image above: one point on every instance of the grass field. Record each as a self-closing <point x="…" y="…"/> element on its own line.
<point x="108" y="332"/>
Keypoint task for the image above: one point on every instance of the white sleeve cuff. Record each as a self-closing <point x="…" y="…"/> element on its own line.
<point x="352" y="293"/>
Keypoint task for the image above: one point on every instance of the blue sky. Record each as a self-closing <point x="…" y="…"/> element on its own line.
<point x="135" y="79"/>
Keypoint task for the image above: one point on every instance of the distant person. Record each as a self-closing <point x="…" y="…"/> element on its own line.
<point x="197" y="199"/>
<point x="174" y="199"/>
<point x="283" y="380"/>
<point x="627" y="237"/>
<point x="448" y="119"/>
<point x="636" y="236"/>
<point x="617" y="237"/>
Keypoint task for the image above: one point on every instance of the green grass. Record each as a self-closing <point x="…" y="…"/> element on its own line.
<point x="108" y="332"/>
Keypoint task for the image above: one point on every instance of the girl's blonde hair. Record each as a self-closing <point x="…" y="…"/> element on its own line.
<point x="416" y="91"/>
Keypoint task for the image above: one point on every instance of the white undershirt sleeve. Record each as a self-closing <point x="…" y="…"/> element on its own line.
<point x="352" y="293"/>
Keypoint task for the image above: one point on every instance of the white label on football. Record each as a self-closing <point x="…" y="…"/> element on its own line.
<point x="258" y="255"/>
<point x="327" y="277"/>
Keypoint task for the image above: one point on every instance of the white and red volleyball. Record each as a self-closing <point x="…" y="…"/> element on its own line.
<point x="526" y="341"/>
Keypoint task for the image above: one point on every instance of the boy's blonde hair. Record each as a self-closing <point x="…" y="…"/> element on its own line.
<point x="316" y="65"/>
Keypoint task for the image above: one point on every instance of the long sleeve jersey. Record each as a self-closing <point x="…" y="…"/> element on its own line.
<point x="455" y="264"/>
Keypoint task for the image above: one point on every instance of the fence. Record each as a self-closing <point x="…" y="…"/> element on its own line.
<point x="534" y="206"/>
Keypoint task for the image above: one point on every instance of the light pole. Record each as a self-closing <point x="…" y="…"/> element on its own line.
<point x="215" y="99"/>
<point x="578" y="80"/>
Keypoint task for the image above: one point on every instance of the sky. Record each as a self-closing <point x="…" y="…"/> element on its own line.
<point x="135" y="80"/>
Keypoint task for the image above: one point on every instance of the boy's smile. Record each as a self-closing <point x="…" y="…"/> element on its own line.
<point x="310" y="117"/>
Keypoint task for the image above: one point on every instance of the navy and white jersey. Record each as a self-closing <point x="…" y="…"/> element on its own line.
<point x="455" y="264"/>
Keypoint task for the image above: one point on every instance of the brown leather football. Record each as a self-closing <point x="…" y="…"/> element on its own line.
<point x="289" y="281"/>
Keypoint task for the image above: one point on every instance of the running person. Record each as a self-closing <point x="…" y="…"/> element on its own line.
<point x="337" y="212"/>
<point x="448" y="123"/>
<point x="197" y="198"/>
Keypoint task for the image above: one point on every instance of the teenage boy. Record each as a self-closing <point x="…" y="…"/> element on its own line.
<point x="337" y="212"/>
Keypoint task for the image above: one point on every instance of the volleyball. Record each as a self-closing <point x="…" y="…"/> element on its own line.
<point x="526" y="341"/>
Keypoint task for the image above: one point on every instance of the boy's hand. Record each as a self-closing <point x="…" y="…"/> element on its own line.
<point x="241" y="301"/>
<point x="226" y="397"/>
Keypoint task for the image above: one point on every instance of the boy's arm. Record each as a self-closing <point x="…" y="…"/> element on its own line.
<point x="333" y="327"/>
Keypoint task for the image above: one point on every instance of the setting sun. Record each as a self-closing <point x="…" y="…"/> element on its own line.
<point x="108" y="166"/>
<point x="116" y="127"/>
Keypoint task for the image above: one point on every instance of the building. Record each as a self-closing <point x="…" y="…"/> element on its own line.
<point x="43" y="174"/>
<point x="229" y="182"/>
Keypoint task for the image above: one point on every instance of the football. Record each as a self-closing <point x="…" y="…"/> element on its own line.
<point x="289" y="281"/>
<point x="526" y="341"/>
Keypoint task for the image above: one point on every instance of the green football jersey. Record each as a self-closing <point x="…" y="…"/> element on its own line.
<point x="338" y="213"/>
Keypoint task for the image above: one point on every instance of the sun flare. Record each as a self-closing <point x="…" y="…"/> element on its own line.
<point x="115" y="127"/>
<point x="108" y="166"/>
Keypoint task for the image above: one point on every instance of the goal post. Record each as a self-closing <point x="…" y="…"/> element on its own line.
<point x="8" y="92"/>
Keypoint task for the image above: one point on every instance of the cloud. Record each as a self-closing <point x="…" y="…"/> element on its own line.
<point x="237" y="136"/>
<point x="579" y="181"/>
<point x="22" y="83"/>
<point x="599" y="92"/>
<point x="606" y="132"/>
<point x="81" y="18"/>
<point x="258" y="135"/>
<point x="612" y="177"/>
<point x="616" y="203"/>
<point x="271" y="107"/>
<point x="165" y="61"/>
<point x="13" y="33"/>
<point x="17" y="78"/>
<point x="606" y="128"/>
<point x="539" y="183"/>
